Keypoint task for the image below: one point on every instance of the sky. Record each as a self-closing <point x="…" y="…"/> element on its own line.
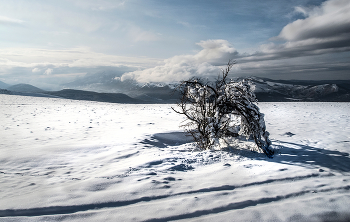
<point x="51" y="42"/>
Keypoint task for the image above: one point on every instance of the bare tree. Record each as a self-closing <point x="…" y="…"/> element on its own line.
<point x="211" y="107"/>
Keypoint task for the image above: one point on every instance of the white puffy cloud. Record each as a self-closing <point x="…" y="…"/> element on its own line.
<point x="36" y="70"/>
<point x="215" y="51"/>
<point x="48" y="71"/>
<point x="203" y="64"/>
<point x="331" y="19"/>
<point x="301" y="10"/>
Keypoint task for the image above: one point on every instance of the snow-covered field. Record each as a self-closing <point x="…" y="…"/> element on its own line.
<point x="65" y="160"/>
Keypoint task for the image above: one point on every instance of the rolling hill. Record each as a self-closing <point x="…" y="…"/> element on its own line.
<point x="3" y="85"/>
<point x="94" y="96"/>
<point x="24" y="88"/>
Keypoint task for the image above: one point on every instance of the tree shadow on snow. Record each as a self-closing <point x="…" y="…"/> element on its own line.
<point x="302" y="155"/>
<point x="288" y="153"/>
<point x="162" y="140"/>
<point x="298" y="154"/>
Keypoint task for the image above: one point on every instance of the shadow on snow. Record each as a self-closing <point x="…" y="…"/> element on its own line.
<point x="298" y="154"/>
<point x="162" y="140"/>
<point x="287" y="152"/>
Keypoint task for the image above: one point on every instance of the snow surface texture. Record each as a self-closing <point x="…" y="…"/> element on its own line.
<point x="64" y="160"/>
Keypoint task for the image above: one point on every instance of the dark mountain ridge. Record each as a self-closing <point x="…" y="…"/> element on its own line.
<point x="29" y="90"/>
<point x="24" y="88"/>
<point x="94" y="96"/>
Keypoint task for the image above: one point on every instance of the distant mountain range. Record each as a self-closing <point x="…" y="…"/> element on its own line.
<point x="75" y="95"/>
<point x="109" y="89"/>
<point x="268" y="90"/>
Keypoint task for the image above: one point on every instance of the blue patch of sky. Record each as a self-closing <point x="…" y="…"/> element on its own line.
<point x="177" y="24"/>
<point x="243" y="23"/>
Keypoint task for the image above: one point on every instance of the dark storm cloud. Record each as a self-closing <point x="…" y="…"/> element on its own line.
<point x="316" y="67"/>
<point x="302" y="48"/>
<point x="326" y="29"/>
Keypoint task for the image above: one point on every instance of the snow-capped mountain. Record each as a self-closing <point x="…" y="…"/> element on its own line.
<point x="265" y="89"/>
<point x="268" y="90"/>
<point x="276" y="91"/>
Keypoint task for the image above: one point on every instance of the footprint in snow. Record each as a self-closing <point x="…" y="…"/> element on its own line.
<point x="289" y="134"/>
<point x="170" y="179"/>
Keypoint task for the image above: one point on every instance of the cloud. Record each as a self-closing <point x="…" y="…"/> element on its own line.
<point x="326" y="29"/>
<point x="215" y="51"/>
<point x="186" y="24"/>
<point x="56" y="76"/>
<point x="331" y="19"/>
<point x="75" y="57"/>
<point x="53" y="67"/>
<point x="139" y="35"/>
<point x="101" y="5"/>
<point x="203" y="64"/>
<point x="302" y="10"/>
<point x="10" y="21"/>
<point x="326" y="67"/>
<point x="48" y="71"/>
<point x="36" y="70"/>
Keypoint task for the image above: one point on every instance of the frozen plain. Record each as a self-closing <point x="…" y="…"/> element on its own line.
<point x="66" y="160"/>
